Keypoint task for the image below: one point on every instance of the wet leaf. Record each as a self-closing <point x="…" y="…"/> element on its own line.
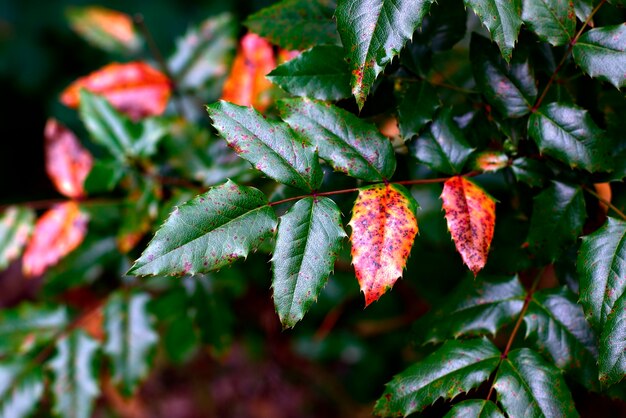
<point x="67" y="162"/>
<point x="502" y="19"/>
<point x="104" y="28"/>
<point x="471" y="217"/>
<point x="601" y="53"/>
<point x="21" y="388"/>
<point x="553" y="21"/>
<point x="133" y="88"/>
<point x="475" y="408"/>
<point x="57" y="233"/>
<point x="16" y="225"/>
<point x="384" y="226"/>
<point x="210" y="231"/>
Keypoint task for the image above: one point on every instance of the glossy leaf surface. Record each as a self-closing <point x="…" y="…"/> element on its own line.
<point x="25" y="326"/>
<point x="57" y="232"/>
<point x="502" y="19"/>
<point x="210" y="231"/>
<point x="601" y="53"/>
<point x="16" y="225"/>
<point x="272" y="147"/>
<point x="471" y="218"/>
<point x="475" y="408"/>
<point x="104" y="28"/>
<point x="133" y="88"/>
<point x="417" y="108"/>
<point x="384" y="226"/>
<point x="319" y="73"/>
<point x="454" y="368"/>
<point x="613" y="345"/>
<point x="373" y="32"/>
<point x="21" y="388"/>
<point x="553" y="21"/>
<point x="348" y="143"/>
<point x="308" y="240"/>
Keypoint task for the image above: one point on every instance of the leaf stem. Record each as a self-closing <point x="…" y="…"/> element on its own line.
<point x="562" y="62"/>
<point x="606" y="202"/>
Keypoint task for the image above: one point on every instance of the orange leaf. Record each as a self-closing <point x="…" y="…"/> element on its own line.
<point x="246" y="85"/>
<point x="67" y="162"/>
<point x="383" y="229"/>
<point x="471" y="217"/>
<point x="134" y="88"/>
<point x="104" y="27"/>
<point x="59" y="231"/>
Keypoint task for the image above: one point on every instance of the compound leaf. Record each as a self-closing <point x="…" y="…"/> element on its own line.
<point x="601" y="53"/>
<point x="553" y="21"/>
<point x="502" y="19"/>
<point x="16" y="225"/>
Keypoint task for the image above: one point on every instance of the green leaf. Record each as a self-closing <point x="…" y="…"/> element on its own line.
<point x="443" y="27"/>
<point x="21" y="388"/>
<point x="349" y="144"/>
<point x="502" y="19"/>
<point x="553" y="21"/>
<point x="529" y="386"/>
<point x="601" y="53"/>
<point x="296" y="24"/>
<point x="210" y="231"/>
<point x="456" y="367"/>
<point x="27" y="325"/>
<point x="319" y="73"/>
<point x="123" y="138"/>
<point x="583" y="9"/>
<point x="16" y="225"/>
<point x="509" y="87"/>
<point x="104" y="176"/>
<point x="373" y="32"/>
<point x="567" y="133"/>
<point x="443" y="147"/>
<point x="530" y="171"/>
<point x="477" y="306"/>
<point x="75" y="377"/>
<point x="557" y="220"/>
<point x="556" y="325"/>
<point x="475" y="408"/>
<point x="613" y="345"/>
<point x="417" y="108"/>
<point x="130" y="339"/>
<point x="308" y="240"/>
<point x="272" y="147"/>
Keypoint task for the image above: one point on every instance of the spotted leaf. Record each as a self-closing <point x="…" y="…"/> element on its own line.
<point x="383" y="228"/>
<point x="471" y="217"/>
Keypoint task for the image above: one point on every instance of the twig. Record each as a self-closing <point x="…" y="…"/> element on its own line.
<point x="606" y="202"/>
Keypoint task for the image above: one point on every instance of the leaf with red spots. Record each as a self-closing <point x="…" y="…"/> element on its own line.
<point x="552" y="21"/>
<point x="383" y="229"/>
<point x="67" y="162"/>
<point x="57" y="233"/>
<point x="471" y="217"/>
<point x="246" y="85"/>
<point x="16" y="225"/>
<point x="104" y="28"/>
<point x="133" y="88"/>
<point x="208" y="232"/>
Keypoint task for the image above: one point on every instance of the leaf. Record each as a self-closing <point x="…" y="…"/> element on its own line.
<point x="348" y="143"/>
<point x="133" y="88"/>
<point x="16" y="225"/>
<point x="104" y="28"/>
<point x="123" y="138"/>
<point x="601" y="53"/>
<point x="558" y="217"/>
<point x="210" y="231"/>
<point x="21" y="388"/>
<point x="529" y="171"/>
<point x="567" y="133"/>
<point x="471" y="217"/>
<point x="57" y="233"/>
<point x="556" y="325"/>
<point x="583" y="9"/>
<point x="246" y="84"/>
<point x="308" y="240"/>
<point x="488" y="161"/>
<point x="509" y="87"/>
<point x="67" y="162"/>
<point x="454" y="368"/>
<point x="105" y="174"/>
<point x="417" y="108"/>
<point x="296" y="24"/>
<point x="272" y="147"/>
<point x="372" y="33"/>
<point x="319" y="73"/>
<point x="476" y="307"/>
<point x="139" y="212"/>
<point x="214" y="316"/>
<point x="74" y="372"/>
<point x="528" y="385"/>
<point x="553" y="21"/>
<point x="384" y="226"/>
<point x="443" y="147"/>
<point x="613" y="345"/>
<point x="130" y="339"/>
<point x="478" y="408"/>
<point x="502" y="19"/>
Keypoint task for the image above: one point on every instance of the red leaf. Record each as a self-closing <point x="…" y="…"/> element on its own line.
<point x="134" y="88"/>
<point x="67" y="162"/>
<point x="383" y="229"/>
<point x="246" y="85"/>
<point x="471" y="217"/>
<point x="59" y="231"/>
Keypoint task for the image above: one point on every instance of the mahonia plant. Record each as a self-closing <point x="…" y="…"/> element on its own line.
<point x="346" y="111"/>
